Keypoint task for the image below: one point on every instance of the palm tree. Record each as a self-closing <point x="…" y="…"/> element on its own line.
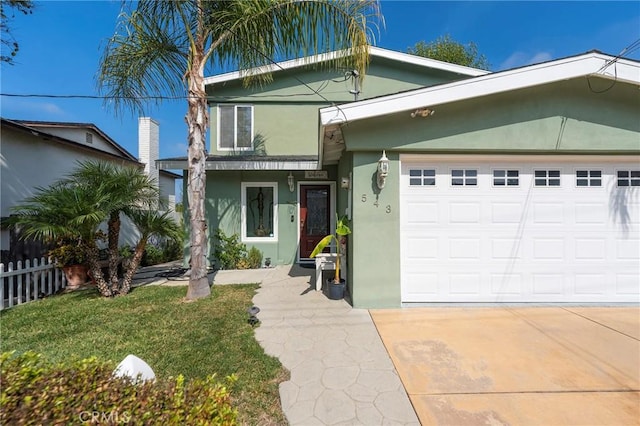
<point x="162" y="48"/>
<point x="128" y="188"/>
<point x="149" y="223"/>
<point x="63" y="213"/>
<point x="73" y="209"/>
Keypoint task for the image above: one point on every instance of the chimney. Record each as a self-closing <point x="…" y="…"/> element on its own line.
<point x="149" y="146"/>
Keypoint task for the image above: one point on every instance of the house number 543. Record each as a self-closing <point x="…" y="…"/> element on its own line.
<point x="387" y="209"/>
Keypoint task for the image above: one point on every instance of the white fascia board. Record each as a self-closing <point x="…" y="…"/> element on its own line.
<point x="280" y="66"/>
<point x="242" y="165"/>
<point x="520" y="158"/>
<point x="425" y="62"/>
<point x="373" y="51"/>
<point x="534" y="75"/>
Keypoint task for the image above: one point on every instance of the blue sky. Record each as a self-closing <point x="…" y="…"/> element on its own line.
<point x="60" y="45"/>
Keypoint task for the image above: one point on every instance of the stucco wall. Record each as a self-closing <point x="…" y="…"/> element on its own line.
<point x="286" y="111"/>
<point x="563" y="117"/>
<point x="279" y="129"/>
<point x="223" y="205"/>
<point x="375" y="242"/>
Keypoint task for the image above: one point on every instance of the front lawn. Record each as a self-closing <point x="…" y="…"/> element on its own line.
<point x="174" y="337"/>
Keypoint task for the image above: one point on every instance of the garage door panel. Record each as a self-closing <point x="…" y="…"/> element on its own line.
<point x="464" y="212"/>
<point x="589" y="284"/>
<point x="627" y="284"/>
<point x="548" y="213"/>
<point x="422" y="212"/>
<point x="492" y="243"/>
<point x="506" y="212"/>
<point x="590" y="213"/>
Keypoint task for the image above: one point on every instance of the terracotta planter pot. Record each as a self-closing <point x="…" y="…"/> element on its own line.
<point x="76" y="275"/>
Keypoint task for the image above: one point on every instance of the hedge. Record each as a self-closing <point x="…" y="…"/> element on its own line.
<point x="34" y="392"/>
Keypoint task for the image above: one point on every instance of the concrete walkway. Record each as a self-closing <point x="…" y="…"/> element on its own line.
<point x="341" y="373"/>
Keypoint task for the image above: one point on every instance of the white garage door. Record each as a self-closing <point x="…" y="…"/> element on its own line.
<point x="520" y="229"/>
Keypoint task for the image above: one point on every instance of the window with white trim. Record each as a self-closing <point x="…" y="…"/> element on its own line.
<point x="506" y="177"/>
<point x="235" y="127"/>
<point x="628" y="177"/>
<point x="259" y="211"/>
<point x="588" y="177"/>
<point x="464" y="177"/>
<point x="547" y="177"/>
<point x="422" y="177"/>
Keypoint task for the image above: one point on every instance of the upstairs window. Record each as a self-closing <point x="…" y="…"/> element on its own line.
<point x="235" y="127"/>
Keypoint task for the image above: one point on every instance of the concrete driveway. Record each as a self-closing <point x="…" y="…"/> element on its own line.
<point x="535" y="366"/>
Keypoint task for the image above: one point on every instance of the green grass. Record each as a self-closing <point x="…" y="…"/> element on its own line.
<point x="173" y="336"/>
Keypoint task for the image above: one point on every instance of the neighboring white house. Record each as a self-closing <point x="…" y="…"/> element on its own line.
<point x="37" y="153"/>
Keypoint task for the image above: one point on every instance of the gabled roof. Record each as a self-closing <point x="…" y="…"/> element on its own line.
<point x="594" y="63"/>
<point x="34" y="128"/>
<point x="373" y="51"/>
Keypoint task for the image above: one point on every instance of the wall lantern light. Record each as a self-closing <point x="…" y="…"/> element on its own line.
<point x="383" y="170"/>
<point x="345" y="183"/>
<point x="290" y="182"/>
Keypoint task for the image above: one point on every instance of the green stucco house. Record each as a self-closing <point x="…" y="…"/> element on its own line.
<point x="461" y="186"/>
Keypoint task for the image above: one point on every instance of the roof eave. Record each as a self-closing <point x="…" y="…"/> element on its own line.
<point x="591" y="64"/>
<point x="262" y="165"/>
<point x="373" y="51"/>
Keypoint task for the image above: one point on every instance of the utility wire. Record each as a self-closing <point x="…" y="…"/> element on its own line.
<point x="50" y="96"/>
<point x="613" y="61"/>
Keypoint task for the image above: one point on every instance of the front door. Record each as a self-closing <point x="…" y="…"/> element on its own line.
<point x="314" y="216"/>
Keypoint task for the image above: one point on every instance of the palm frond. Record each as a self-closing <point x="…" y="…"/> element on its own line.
<point x="255" y="33"/>
<point x="146" y="58"/>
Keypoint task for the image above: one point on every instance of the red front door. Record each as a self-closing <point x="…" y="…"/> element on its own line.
<point x="314" y="217"/>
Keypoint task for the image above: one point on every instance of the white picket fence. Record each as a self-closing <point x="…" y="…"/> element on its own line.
<point x="31" y="281"/>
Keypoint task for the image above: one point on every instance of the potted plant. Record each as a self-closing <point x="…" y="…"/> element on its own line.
<point x="336" y="284"/>
<point x="69" y="255"/>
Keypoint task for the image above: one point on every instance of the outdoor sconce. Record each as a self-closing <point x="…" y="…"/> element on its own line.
<point x="345" y="183"/>
<point x="383" y="169"/>
<point x="290" y="182"/>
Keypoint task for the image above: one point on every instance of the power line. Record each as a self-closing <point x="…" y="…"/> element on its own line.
<point x="53" y="96"/>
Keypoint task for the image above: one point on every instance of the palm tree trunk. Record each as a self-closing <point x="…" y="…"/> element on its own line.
<point x="197" y="121"/>
<point x="96" y="272"/>
<point x="133" y="265"/>
<point x="114" y="233"/>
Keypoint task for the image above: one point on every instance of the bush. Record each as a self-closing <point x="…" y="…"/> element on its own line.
<point x="228" y="250"/>
<point x="35" y="392"/>
<point x="254" y="258"/>
<point x="152" y="256"/>
<point x="232" y="254"/>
